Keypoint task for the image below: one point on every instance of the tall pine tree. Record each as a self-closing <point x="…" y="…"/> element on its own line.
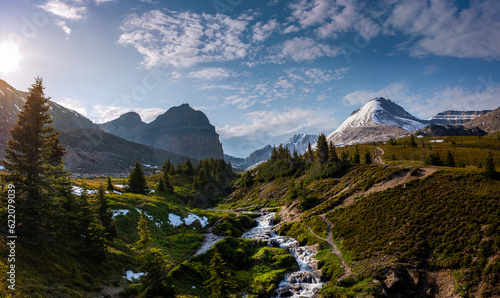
<point x="220" y="282"/>
<point x="137" y="181"/>
<point x="322" y="149"/>
<point x="34" y="162"/>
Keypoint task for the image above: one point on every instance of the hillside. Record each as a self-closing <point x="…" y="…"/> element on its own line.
<point x="489" y="122"/>
<point x="402" y="230"/>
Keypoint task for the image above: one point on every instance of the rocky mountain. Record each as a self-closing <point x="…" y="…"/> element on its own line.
<point x="434" y="130"/>
<point x="489" y="122"/>
<point x="128" y="126"/>
<point x="255" y="157"/>
<point x="300" y="142"/>
<point x="379" y="119"/>
<point x="90" y="152"/>
<point x="456" y="117"/>
<point x="181" y="129"/>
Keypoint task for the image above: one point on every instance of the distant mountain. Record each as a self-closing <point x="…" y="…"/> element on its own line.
<point x="255" y="157"/>
<point x="379" y="119"/>
<point x="456" y="117"/>
<point x="181" y="129"/>
<point x="434" y="130"/>
<point x="128" y="126"/>
<point x="90" y="152"/>
<point x="489" y="122"/>
<point x="300" y="142"/>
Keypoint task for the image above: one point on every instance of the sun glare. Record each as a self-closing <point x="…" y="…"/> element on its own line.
<point x="9" y="57"/>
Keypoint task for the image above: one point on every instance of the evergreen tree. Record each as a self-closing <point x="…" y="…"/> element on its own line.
<point x="105" y="215"/>
<point x="368" y="157"/>
<point x="161" y="186"/>
<point x="167" y="166"/>
<point x="220" y="283"/>
<point x="412" y="142"/>
<point x="34" y="161"/>
<point x="188" y="167"/>
<point x="332" y="153"/>
<point x="449" y="161"/>
<point x="322" y="149"/>
<point x="91" y="232"/>
<point x="109" y="186"/>
<point x="489" y="169"/>
<point x="309" y="154"/>
<point x="356" y="157"/>
<point x="434" y="159"/>
<point x="274" y="153"/>
<point x="137" y="181"/>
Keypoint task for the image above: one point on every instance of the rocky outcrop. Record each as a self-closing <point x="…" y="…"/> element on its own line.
<point x="456" y="117"/>
<point x="181" y="129"/>
<point x="434" y="130"/>
<point x="489" y="122"/>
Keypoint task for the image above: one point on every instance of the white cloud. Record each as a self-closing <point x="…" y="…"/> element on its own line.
<point x="73" y="104"/>
<point x="286" y="122"/>
<point x="211" y="73"/>
<point x="98" y="2"/>
<point x="102" y="113"/>
<point x="305" y="49"/>
<point x="184" y="39"/>
<point x="316" y="75"/>
<point x="63" y="26"/>
<point x="438" y="100"/>
<point x="395" y="92"/>
<point x="241" y="101"/>
<point x="262" y="31"/>
<point x="65" y="10"/>
<point x="441" y="29"/>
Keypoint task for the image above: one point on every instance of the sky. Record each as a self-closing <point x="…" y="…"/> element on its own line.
<point x="261" y="70"/>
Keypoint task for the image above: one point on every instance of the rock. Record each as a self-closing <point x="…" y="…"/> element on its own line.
<point x="392" y="281"/>
<point x="434" y="130"/>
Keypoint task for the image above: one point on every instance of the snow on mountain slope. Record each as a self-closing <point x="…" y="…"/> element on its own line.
<point x="456" y="117"/>
<point x="378" y="119"/>
<point x="300" y="142"/>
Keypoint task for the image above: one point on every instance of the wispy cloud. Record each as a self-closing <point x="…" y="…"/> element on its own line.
<point x="304" y="49"/>
<point x="441" y="29"/>
<point x="184" y="39"/>
<point x="430" y="69"/>
<point x="396" y="91"/>
<point x="65" y="10"/>
<point x="102" y="113"/>
<point x="262" y="31"/>
<point x="278" y="123"/>
<point x="73" y="104"/>
<point x="63" y="26"/>
<point x="212" y="73"/>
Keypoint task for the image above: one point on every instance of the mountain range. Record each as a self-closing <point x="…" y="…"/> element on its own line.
<point x="182" y="132"/>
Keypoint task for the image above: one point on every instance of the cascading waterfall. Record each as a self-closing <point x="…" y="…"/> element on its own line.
<point x="303" y="283"/>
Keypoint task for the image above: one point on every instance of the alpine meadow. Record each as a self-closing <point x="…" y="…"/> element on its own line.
<point x="233" y="148"/>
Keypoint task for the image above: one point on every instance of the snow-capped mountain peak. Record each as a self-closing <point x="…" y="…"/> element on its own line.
<point x="378" y="118"/>
<point x="300" y="142"/>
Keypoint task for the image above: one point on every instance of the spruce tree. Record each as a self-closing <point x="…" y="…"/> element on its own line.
<point x="449" y="160"/>
<point x="356" y="157"/>
<point x="105" y="215"/>
<point x="309" y="154"/>
<point x="34" y="161"/>
<point x="137" y="181"/>
<point x="332" y="153"/>
<point x="220" y="283"/>
<point x="368" y="157"/>
<point x="322" y="149"/>
<point x="161" y="186"/>
<point x="188" y="167"/>
<point x="109" y="186"/>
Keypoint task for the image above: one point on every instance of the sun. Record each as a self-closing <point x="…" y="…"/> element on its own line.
<point x="9" y="57"/>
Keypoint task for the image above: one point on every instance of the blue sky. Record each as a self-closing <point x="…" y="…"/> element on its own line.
<point x="261" y="70"/>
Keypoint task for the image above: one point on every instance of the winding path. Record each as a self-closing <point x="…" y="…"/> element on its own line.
<point x="335" y="249"/>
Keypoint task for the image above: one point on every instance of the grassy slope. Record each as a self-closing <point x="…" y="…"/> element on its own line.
<point x="449" y="220"/>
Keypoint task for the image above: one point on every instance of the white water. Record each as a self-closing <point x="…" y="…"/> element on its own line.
<point x="303" y="283"/>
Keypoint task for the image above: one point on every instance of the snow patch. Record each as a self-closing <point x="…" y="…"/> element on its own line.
<point x="77" y="190"/>
<point x="2" y="92"/>
<point x="2" y="168"/>
<point x="436" y="141"/>
<point x="120" y="212"/>
<point x="192" y="217"/>
<point x="175" y="220"/>
<point x="131" y="275"/>
<point x="210" y="240"/>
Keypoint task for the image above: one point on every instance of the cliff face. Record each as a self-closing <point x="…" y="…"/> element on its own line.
<point x="181" y="130"/>
<point x="489" y="122"/>
<point x="456" y="117"/>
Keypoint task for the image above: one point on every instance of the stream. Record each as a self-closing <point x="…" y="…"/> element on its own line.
<point x="303" y="283"/>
